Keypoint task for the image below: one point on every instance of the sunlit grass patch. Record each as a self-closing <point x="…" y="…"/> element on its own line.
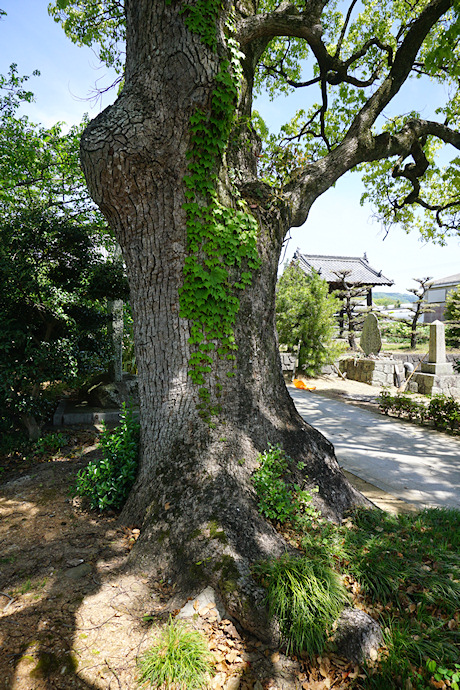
<point x="306" y="597"/>
<point x="179" y="659"/>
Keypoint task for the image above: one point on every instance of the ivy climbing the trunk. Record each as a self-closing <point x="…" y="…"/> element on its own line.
<point x="221" y="241"/>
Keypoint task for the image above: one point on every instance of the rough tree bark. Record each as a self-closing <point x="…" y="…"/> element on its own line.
<point x="193" y="496"/>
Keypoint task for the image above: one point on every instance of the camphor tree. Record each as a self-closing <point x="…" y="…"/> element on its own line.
<point x="305" y="314"/>
<point x="174" y="167"/>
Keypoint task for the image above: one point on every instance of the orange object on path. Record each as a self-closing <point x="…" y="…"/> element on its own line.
<point x="300" y="384"/>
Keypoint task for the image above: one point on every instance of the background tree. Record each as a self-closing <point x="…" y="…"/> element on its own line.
<point x="351" y="297"/>
<point x="54" y="325"/>
<point x="418" y="307"/>
<point x="55" y="267"/>
<point x="452" y="317"/>
<point x="305" y="313"/>
<point x="175" y="166"/>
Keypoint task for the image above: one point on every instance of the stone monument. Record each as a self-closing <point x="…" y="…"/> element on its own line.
<point x="374" y="369"/>
<point x="371" y="340"/>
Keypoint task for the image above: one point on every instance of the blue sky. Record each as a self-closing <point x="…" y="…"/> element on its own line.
<point x="337" y="225"/>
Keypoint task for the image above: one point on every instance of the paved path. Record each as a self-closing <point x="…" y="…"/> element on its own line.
<point x="415" y="464"/>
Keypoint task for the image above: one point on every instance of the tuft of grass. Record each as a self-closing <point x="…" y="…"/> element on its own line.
<point x="179" y="660"/>
<point x="306" y="597"/>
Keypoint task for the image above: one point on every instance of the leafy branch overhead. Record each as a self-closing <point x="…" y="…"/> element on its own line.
<point x="351" y="61"/>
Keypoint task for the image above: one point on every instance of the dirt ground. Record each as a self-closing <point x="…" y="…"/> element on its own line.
<point x="72" y="609"/>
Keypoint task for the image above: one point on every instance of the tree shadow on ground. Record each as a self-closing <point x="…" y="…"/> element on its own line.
<point x="55" y="558"/>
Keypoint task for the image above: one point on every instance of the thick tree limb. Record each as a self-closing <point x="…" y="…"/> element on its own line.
<point x="402" y="66"/>
<point x="286" y="21"/>
<point x="319" y="176"/>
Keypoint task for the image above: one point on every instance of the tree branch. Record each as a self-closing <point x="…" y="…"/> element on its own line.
<point x="287" y="21"/>
<point x="402" y="66"/>
<point x="359" y="144"/>
<point x="317" y="177"/>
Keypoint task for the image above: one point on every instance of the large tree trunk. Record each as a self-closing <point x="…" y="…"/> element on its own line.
<point x="193" y="496"/>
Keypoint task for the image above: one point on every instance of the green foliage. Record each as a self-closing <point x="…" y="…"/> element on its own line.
<point x="306" y="597"/>
<point x="52" y="328"/>
<point x="415" y="586"/>
<point x="107" y="482"/>
<point x="348" y="62"/>
<point x="280" y="498"/>
<point x="13" y="91"/>
<point x="386" y="302"/>
<point x="54" y="278"/>
<point x="201" y="18"/>
<point x="407" y="567"/>
<point x="12" y="438"/>
<point x="305" y="312"/>
<point x="439" y="187"/>
<point x="275" y="496"/>
<point x="179" y="660"/>
<point x="452" y="317"/>
<point x="50" y="443"/>
<point x="442" y="411"/>
<point x="400" y="332"/>
<point x="92" y="22"/>
<point x="416" y="583"/>
<point x="441" y="674"/>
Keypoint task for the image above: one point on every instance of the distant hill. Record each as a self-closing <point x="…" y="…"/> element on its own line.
<point x="402" y="296"/>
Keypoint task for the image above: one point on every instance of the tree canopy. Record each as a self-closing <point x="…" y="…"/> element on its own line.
<point x="351" y="60"/>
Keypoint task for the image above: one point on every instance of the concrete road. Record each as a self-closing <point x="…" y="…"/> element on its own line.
<point x="415" y="464"/>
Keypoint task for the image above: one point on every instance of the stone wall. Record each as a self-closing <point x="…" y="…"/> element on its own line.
<point x="416" y="358"/>
<point x="375" y="372"/>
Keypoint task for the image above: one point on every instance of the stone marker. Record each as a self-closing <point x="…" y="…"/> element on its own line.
<point x="371" y="340"/>
<point x="437" y="363"/>
<point x="437" y="375"/>
<point x="437" y="352"/>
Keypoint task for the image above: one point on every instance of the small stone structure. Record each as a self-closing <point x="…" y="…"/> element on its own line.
<point x="289" y="363"/>
<point x="436" y="375"/>
<point x="371" y="340"/>
<point x="375" y="371"/>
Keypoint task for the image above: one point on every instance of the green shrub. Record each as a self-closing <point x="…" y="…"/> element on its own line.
<point x="180" y="660"/>
<point x="443" y="412"/>
<point x="50" y="443"/>
<point x="441" y="674"/>
<point x="452" y="317"/>
<point x="107" y="482"/>
<point x="305" y="314"/>
<point x="400" y="332"/>
<point x="279" y="497"/>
